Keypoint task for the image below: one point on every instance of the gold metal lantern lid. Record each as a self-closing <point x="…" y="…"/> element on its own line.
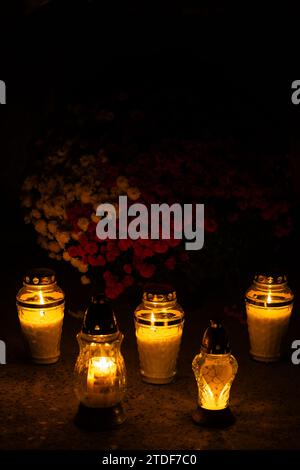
<point x="159" y="293"/>
<point x="39" y="277"/>
<point x="270" y="280"/>
<point x="40" y="289"/>
<point x="269" y="290"/>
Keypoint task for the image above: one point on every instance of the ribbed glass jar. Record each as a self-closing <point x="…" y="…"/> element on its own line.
<point x="159" y="323"/>
<point x="269" y="304"/>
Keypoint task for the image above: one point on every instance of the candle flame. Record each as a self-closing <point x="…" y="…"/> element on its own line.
<point x="269" y="300"/>
<point x="104" y="365"/>
<point x="152" y="319"/>
<point x="41" y="297"/>
<point x="42" y="301"/>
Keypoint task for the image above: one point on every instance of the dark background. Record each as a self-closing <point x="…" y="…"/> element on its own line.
<point x="232" y="67"/>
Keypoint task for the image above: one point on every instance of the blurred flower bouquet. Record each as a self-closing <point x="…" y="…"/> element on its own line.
<point x="73" y="175"/>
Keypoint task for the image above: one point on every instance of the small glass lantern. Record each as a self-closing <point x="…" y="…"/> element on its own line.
<point x="269" y="304"/>
<point x="215" y="369"/>
<point x="100" y="374"/>
<point x="159" y="323"/>
<point x="40" y="304"/>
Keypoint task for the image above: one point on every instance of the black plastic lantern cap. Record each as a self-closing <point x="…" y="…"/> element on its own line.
<point x="99" y="318"/>
<point x="215" y="339"/>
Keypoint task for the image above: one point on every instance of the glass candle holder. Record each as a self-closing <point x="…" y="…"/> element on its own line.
<point x="215" y="369"/>
<point x="269" y="304"/>
<point x="40" y="305"/>
<point x="100" y="374"/>
<point x="159" y="323"/>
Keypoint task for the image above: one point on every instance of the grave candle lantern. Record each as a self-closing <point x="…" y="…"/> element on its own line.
<point x="40" y="305"/>
<point x="100" y="368"/>
<point x="269" y="304"/>
<point x="159" y="323"/>
<point x="215" y="369"/>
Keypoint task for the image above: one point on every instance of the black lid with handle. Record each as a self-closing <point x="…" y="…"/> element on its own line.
<point x="215" y="339"/>
<point x="99" y="318"/>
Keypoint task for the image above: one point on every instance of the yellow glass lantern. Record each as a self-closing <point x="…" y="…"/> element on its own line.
<point x="100" y="374"/>
<point x="159" y="323"/>
<point x="215" y="369"/>
<point x="269" y="304"/>
<point x="40" y="305"/>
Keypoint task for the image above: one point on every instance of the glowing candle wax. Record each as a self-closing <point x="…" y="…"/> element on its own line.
<point x="102" y="375"/>
<point x="158" y="350"/>
<point x="215" y="369"/>
<point x="269" y="303"/>
<point x="159" y="324"/>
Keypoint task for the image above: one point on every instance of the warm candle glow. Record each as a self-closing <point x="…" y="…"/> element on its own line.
<point x="101" y="383"/>
<point x="158" y="349"/>
<point x="214" y="382"/>
<point x="158" y="325"/>
<point x="269" y="303"/>
<point x="101" y="369"/>
<point x="214" y="368"/>
<point x="267" y="326"/>
<point x="41" y="319"/>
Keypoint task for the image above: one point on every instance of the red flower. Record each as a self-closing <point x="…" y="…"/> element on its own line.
<point x="110" y="292"/>
<point x="128" y="281"/>
<point x="173" y="242"/>
<point x="111" y="256"/>
<point x="92" y="228"/>
<point x="107" y="275"/>
<point x="96" y="261"/>
<point x="124" y="244"/>
<point x="73" y="251"/>
<point x="138" y="250"/>
<point x="281" y="232"/>
<point x="83" y="240"/>
<point x="170" y="263"/>
<point x="127" y="268"/>
<point x="111" y="245"/>
<point x="210" y="225"/>
<point x="147" y="253"/>
<point x="91" y="248"/>
<point x="146" y="270"/>
<point x="160" y="247"/>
